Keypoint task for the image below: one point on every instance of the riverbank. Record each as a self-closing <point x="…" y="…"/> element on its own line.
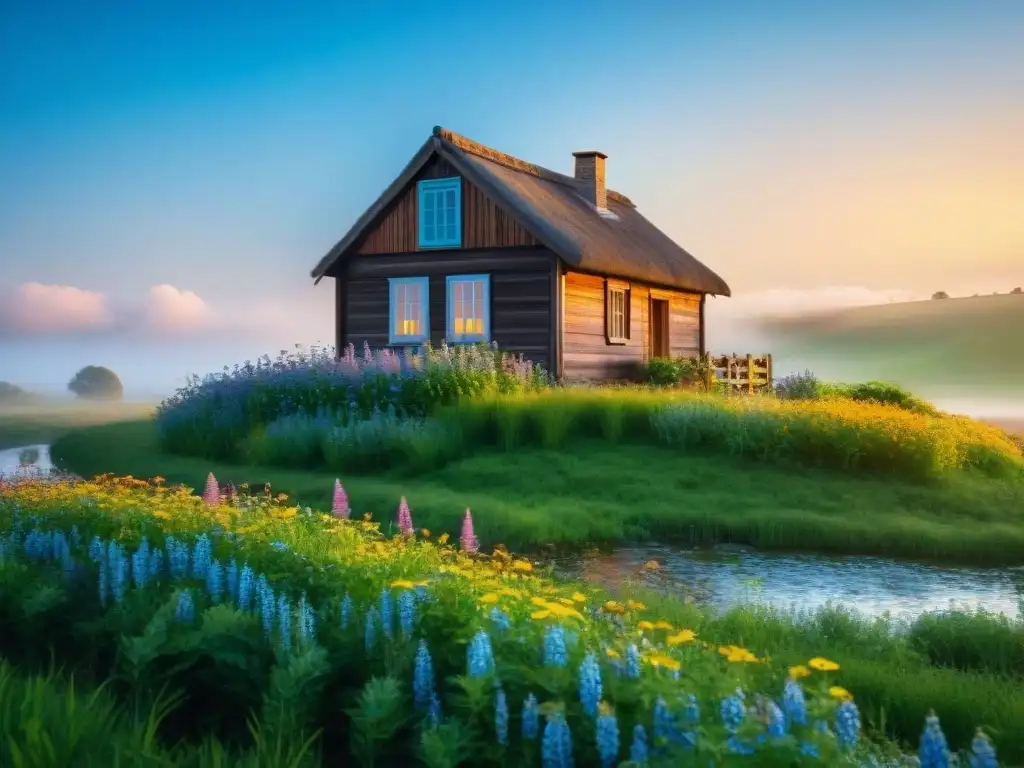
<point x="594" y="493"/>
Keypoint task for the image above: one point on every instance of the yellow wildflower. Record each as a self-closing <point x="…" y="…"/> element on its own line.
<point x="645" y="625"/>
<point x="611" y="653"/>
<point x="565" y="601"/>
<point x="662" y="660"/>
<point x="799" y="671"/>
<point x="663" y="625"/>
<point x="613" y="607"/>
<point x="839" y="692"/>
<point x="823" y="665"/>
<point x="739" y="655"/>
<point x="402" y="584"/>
<point x="538" y="601"/>
<point x="684" y="636"/>
<point x="579" y="597"/>
<point x="636" y="605"/>
<point x="442" y="539"/>
<point x="490" y="597"/>
<point x="540" y="614"/>
<point x="522" y="565"/>
<point x="425" y="533"/>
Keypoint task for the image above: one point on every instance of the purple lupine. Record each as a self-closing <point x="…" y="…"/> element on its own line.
<point x="339" y="504"/>
<point x="211" y="494"/>
<point x="404" y="518"/>
<point x="468" y="540"/>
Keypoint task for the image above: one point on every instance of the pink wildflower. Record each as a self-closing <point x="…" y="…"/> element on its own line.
<point x="404" y="518"/>
<point x="468" y="540"/>
<point x="339" y="506"/>
<point x="211" y="494"/>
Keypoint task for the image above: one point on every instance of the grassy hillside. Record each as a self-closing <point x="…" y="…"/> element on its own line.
<point x="43" y="422"/>
<point x="945" y="348"/>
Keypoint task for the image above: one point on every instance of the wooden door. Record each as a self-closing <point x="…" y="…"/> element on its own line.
<point x="659" y="341"/>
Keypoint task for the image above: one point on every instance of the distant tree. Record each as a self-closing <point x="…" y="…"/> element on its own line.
<point x="1017" y="291"/>
<point x="10" y="392"/>
<point x="94" y="382"/>
<point x="940" y="295"/>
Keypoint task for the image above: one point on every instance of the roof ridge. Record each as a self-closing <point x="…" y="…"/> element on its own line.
<point x="501" y="158"/>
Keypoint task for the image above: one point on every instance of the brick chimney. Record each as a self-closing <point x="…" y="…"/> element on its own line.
<point x="590" y="169"/>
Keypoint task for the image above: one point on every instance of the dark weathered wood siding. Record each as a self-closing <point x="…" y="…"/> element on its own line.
<point x="484" y="225"/>
<point x="521" y="283"/>
<point x="586" y="353"/>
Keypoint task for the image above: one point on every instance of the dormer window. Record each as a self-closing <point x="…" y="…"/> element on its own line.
<point x="440" y="213"/>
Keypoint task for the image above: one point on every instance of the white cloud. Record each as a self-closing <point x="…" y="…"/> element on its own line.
<point x="172" y="310"/>
<point x="37" y="308"/>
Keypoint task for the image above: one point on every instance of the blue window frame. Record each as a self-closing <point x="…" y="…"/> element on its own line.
<point x="469" y="308"/>
<point x="440" y="213"/>
<point x="408" y="310"/>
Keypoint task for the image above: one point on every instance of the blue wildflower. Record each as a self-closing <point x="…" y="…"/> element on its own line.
<point x="118" y="564"/>
<point x="279" y="546"/>
<point x="638" y="749"/>
<point x="479" y="657"/>
<point x="531" y="718"/>
<point x="202" y="556"/>
<point x="215" y="581"/>
<point x="246" y="587"/>
<point x="96" y="550"/>
<point x="104" y="581"/>
<point x="386" y="613"/>
<point x="76" y="538"/>
<point x="733" y="712"/>
<point x="556" y="747"/>
<point x="266" y="601"/>
<point x="345" y="610"/>
<point x="370" y="629"/>
<point x="177" y="557"/>
<point x="590" y="684"/>
<point x="423" y="676"/>
<point x="500" y="619"/>
<point x="156" y="564"/>
<point x="664" y="722"/>
<point x="739" y="747"/>
<point x="794" y="706"/>
<point x="933" y="751"/>
<point x="555" y="653"/>
<point x="632" y="661"/>
<point x="307" y="620"/>
<point x="847" y="724"/>
<point x="983" y="754"/>
<point x="185" y="608"/>
<point x="231" y="580"/>
<point x="284" y="623"/>
<point x="140" y="564"/>
<point x="607" y="739"/>
<point x="776" y="719"/>
<point x="406" y="613"/>
<point x="501" y="717"/>
<point x="434" y="711"/>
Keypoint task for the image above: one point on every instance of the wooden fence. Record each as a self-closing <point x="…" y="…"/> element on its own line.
<point x="747" y="373"/>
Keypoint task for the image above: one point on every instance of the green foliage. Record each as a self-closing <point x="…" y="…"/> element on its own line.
<point x="94" y="382"/>
<point x="669" y="371"/>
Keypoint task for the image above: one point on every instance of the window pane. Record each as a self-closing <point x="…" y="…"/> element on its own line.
<point x="429" y="232"/>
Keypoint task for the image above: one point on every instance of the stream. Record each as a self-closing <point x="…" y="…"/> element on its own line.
<point x="724" y="577"/>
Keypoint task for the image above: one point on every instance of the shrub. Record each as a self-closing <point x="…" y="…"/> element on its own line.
<point x="386" y="441"/>
<point x="886" y="393"/>
<point x="669" y="371"/>
<point x="213" y="416"/>
<point x="975" y="641"/>
<point x="798" y="386"/>
<point x="94" y="382"/>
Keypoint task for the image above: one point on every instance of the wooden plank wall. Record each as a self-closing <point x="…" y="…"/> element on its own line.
<point x="586" y="352"/>
<point x="484" y="225"/>
<point x="521" y="315"/>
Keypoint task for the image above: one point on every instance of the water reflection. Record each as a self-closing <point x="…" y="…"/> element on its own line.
<point x="726" y="577"/>
<point x="29" y="459"/>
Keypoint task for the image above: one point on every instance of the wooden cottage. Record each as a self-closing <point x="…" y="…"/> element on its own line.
<point x="469" y="244"/>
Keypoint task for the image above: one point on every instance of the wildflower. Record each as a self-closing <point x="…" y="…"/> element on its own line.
<point x="184" y="608"/>
<point x="500" y="619"/>
<point x="983" y="754"/>
<point x="632" y="661"/>
<point x="402" y="584"/>
<point x="307" y="620"/>
<point x="612" y="606"/>
<point x="370" y="629"/>
<point x="531" y="718"/>
<point x="140" y="564"/>
<point x="799" y="671"/>
<point x="933" y="751"/>
<point x="345" y="610"/>
<point x="684" y="636"/>
<point x="156" y="564"/>
<point x="284" y="622"/>
<point x="638" y="748"/>
<point x="202" y="555"/>
<point x="479" y="657"/>
<point x="339" y="504"/>
<point x="215" y="581"/>
<point x="118" y="565"/>
<point x="178" y="557"/>
<point x="522" y="565"/>
<point x="556" y="749"/>
<point x="231" y="579"/>
<point x="489" y="598"/>
<point x="405" y="519"/>
<point x="279" y="546"/>
<point x="838" y="692"/>
<point x="607" y="737"/>
<point x="823" y="665"/>
<point x="406" y="613"/>
<point x="579" y="597"/>
<point x="266" y="601"/>
<point x="468" y="540"/>
<point x="423" y="676"/>
<point x="555" y="652"/>
<point x="776" y="719"/>
<point x="590" y="684"/>
<point x="386" y="613"/>
<point x="246" y="583"/>
<point x="211" y="494"/>
<point x="733" y="712"/>
<point x="847" y="724"/>
<point x="794" y="706"/>
<point x="434" y="711"/>
<point x="501" y="717"/>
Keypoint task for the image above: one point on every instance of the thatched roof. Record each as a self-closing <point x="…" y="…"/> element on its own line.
<point x="554" y="208"/>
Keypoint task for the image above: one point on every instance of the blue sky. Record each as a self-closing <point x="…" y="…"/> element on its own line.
<point x="864" y="149"/>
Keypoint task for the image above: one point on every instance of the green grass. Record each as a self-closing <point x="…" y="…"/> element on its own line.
<point x="961" y="347"/>
<point x="592" y="492"/>
<point x="42" y="423"/>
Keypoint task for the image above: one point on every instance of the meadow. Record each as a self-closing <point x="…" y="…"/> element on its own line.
<point x="43" y="421"/>
<point x="192" y="631"/>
